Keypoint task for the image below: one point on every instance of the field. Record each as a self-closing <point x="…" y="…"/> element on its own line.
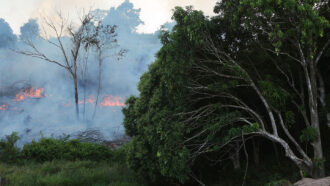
<point x="64" y="173"/>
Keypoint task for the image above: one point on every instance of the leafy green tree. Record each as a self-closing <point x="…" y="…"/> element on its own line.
<point x="253" y="70"/>
<point x="152" y="118"/>
<point x="292" y="36"/>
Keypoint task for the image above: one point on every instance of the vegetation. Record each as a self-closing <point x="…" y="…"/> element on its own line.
<point x="231" y="86"/>
<point x="48" y="149"/>
<point x="63" y="162"/>
<point x="68" y="173"/>
<point x="240" y="98"/>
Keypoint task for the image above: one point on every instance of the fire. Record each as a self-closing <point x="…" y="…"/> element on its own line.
<point x="89" y="100"/>
<point x="3" y="107"/>
<point x="110" y="101"/>
<point x="29" y="93"/>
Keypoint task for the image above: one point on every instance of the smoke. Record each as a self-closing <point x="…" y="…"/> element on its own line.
<point x="50" y="111"/>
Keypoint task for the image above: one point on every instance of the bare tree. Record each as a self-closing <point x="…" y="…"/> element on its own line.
<point x="103" y="40"/>
<point x="84" y="37"/>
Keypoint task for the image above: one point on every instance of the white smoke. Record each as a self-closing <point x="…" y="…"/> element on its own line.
<point x="54" y="114"/>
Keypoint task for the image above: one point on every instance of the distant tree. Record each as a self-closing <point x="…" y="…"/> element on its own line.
<point x="7" y="37"/>
<point x="82" y="38"/>
<point x="30" y="30"/>
<point x="103" y="39"/>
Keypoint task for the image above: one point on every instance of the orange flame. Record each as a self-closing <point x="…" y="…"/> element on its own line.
<point x="90" y="99"/>
<point x="29" y="93"/>
<point x="110" y="101"/>
<point x="3" y="107"/>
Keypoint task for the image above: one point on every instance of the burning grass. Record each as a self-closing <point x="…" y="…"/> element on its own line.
<point x="29" y="93"/>
<point x="3" y="107"/>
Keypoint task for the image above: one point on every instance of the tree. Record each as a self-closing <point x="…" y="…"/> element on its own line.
<point x="82" y="38"/>
<point x="7" y="37"/>
<point x="30" y="30"/>
<point x="219" y="82"/>
<point x="289" y="35"/>
<point x="103" y="39"/>
<point x="156" y="150"/>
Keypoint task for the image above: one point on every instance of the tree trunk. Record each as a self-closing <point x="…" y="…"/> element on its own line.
<point x="99" y="81"/>
<point x="318" y="166"/>
<point x="235" y="157"/>
<point x="277" y="156"/>
<point x="76" y="96"/>
<point x="322" y="95"/>
<point x="328" y="118"/>
<point x="256" y="150"/>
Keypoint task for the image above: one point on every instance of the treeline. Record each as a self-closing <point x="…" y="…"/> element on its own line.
<point x="241" y="97"/>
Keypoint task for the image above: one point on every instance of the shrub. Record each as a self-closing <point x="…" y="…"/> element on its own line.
<point x="9" y="153"/>
<point x="48" y="149"/>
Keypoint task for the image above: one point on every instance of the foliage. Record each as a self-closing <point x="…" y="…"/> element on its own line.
<point x="276" y="96"/>
<point x="8" y="151"/>
<point x="48" y="149"/>
<point x="156" y="151"/>
<point x="308" y="135"/>
<point x="214" y="80"/>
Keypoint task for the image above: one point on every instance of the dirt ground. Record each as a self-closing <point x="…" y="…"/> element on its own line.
<point x="313" y="182"/>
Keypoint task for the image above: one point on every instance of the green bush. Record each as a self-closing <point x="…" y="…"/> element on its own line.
<point x="48" y="149"/>
<point x="9" y="153"/>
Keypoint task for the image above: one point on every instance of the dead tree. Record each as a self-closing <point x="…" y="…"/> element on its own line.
<point x="103" y="40"/>
<point x="71" y="52"/>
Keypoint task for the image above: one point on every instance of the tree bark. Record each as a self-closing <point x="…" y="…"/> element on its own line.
<point x="256" y="150"/>
<point x="235" y="157"/>
<point x="318" y="169"/>
<point x="277" y="156"/>
<point x="99" y="80"/>
<point x="76" y="96"/>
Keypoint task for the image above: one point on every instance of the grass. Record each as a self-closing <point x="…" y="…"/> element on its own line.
<point x="68" y="173"/>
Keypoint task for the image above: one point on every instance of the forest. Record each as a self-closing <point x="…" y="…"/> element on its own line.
<point x="239" y="98"/>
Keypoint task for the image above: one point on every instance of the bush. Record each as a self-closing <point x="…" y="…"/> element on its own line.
<point x="9" y="153"/>
<point x="48" y="149"/>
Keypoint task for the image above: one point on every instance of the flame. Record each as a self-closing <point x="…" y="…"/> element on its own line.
<point x="110" y="101"/>
<point x="3" y="107"/>
<point x="29" y="93"/>
<point x="89" y="100"/>
<point x="107" y="101"/>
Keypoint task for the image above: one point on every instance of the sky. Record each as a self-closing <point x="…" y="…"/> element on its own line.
<point x="154" y="13"/>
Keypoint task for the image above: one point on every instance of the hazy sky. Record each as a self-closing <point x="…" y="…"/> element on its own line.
<point x="153" y="12"/>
